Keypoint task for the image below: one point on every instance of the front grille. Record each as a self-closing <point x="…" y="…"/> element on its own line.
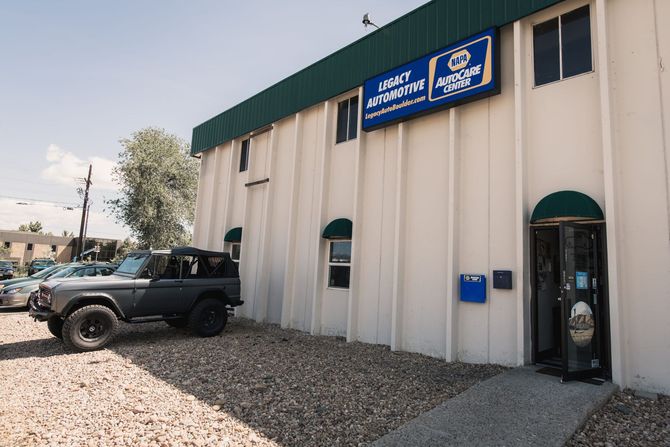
<point x="44" y="298"/>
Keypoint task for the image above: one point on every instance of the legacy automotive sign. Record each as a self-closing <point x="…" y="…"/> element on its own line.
<point x="460" y="73"/>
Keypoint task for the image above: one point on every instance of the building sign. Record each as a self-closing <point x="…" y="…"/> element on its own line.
<point x="463" y="72"/>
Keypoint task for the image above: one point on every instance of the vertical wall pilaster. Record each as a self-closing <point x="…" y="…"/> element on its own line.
<point x="359" y="168"/>
<point x="263" y="273"/>
<point x="228" y="195"/>
<point x="617" y="330"/>
<point x="399" y="238"/>
<point x="521" y="275"/>
<point x="320" y="217"/>
<point x="289" y="267"/>
<point x="451" y="354"/>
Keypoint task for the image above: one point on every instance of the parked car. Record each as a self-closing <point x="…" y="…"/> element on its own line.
<point x="18" y="294"/>
<point x="39" y="264"/>
<point x="6" y="270"/>
<point x="184" y="286"/>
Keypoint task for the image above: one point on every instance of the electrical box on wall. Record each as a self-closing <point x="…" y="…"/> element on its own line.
<point x="473" y="288"/>
<point x="502" y="279"/>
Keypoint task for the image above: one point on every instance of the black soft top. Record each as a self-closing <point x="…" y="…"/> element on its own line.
<point x="186" y="251"/>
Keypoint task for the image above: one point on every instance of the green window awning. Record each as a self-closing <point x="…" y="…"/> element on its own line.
<point x="234" y="235"/>
<point x="566" y="206"/>
<point x="338" y="229"/>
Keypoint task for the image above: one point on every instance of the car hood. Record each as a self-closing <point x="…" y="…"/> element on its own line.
<point x="20" y="282"/>
<point x="86" y="282"/>
<point x="10" y="282"/>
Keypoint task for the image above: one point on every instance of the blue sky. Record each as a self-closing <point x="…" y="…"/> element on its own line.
<point x="76" y="76"/>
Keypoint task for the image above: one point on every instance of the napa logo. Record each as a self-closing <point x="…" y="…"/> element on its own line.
<point x="459" y="60"/>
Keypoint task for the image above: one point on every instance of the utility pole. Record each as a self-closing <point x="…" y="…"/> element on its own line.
<point x="84" y="214"/>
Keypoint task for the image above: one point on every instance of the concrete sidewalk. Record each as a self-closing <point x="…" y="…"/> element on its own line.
<point x="517" y="408"/>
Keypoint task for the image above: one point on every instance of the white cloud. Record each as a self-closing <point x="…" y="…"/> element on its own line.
<point x="55" y="219"/>
<point x="64" y="167"/>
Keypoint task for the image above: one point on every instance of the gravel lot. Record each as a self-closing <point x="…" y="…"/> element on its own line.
<point x="254" y="385"/>
<point x="627" y="420"/>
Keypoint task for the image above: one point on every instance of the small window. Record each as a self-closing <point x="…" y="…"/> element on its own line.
<point x="339" y="264"/>
<point x="235" y="252"/>
<point x="244" y="155"/>
<point x="347" y="120"/>
<point x="8" y="244"/>
<point x="29" y="247"/>
<point x="562" y="47"/>
<point x="53" y="248"/>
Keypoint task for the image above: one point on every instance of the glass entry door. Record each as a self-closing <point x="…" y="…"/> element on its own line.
<point x="580" y="281"/>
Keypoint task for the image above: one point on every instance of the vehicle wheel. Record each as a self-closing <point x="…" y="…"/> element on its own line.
<point x="177" y="322"/>
<point x="89" y="328"/>
<point x="55" y="325"/>
<point x="208" y="318"/>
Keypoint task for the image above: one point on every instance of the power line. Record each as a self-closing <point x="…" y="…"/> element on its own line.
<point x="27" y="199"/>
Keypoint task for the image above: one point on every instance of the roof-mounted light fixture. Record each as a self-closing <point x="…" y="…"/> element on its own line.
<point x="367" y="21"/>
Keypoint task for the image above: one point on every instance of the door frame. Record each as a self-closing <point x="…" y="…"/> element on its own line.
<point x="600" y="228"/>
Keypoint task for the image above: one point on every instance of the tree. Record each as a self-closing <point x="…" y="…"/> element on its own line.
<point x="126" y="247"/>
<point x="159" y="181"/>
<point x="67" y="233"/>
<point x="33" y="227"/>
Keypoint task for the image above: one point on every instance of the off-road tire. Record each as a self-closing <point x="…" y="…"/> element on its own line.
<point x="55" y="325"/>
<point x="177" y="322"/>
<point x="89" y="328"/>
<point x="208" y="318"/>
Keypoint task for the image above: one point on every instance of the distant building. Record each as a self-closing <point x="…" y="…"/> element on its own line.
<point x="25" y="246"/>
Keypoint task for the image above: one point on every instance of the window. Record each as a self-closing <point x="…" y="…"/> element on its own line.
<point x="29" y="247"/>
<point x="105" y="272"/>
<point x="8" y="244"/>
<point x="339" y="264"/>
<point x="244" y="155"/>
<point x="235" y="252"/>
<point x="347" y="120"/>
<point x="562" y="47"/>
<point x="53" y="248"/>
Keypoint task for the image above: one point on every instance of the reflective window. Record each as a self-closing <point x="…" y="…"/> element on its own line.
<point x="244" y="155"/>
<point x="347" y="120"/>
<point x="235" y="252"/>
<point x="339" y="264"/>
<point x="562" y="47"/>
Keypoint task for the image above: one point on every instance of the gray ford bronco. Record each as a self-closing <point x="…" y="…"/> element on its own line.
<point x="185" y="287"/>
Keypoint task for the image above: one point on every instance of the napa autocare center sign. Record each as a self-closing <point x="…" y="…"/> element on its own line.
<point x="463" y="72"/>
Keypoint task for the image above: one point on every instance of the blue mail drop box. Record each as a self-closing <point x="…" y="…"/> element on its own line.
<point x="473" y="288"/>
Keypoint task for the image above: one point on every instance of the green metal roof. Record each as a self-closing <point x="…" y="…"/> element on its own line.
<point x="338" y="229"/>
<point x="435" y="25"/>
<point x="566" y="205"/>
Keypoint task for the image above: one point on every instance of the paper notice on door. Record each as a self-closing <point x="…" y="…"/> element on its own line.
<point x="581" y="280"/>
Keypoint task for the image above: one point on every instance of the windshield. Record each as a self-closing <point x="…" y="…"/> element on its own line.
<point x="64" y="273"/>
<point x="43" y="262"/>
<point x="47" y="271"/>
<point x="5" y="263"/>
<point x="132" y="263"/>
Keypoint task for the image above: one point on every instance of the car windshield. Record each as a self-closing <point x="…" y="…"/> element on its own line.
<point x="43" y="262"/>
<point x="5" y="263"/>
<point x="47" y="271"/>
<point x="64" y="273"/>
<point x="132" y="263"/>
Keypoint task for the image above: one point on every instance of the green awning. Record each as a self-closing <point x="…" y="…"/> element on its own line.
<point x="566" y="206"/>
<point x="338" y="229"/>
<point x="234" y="235"/>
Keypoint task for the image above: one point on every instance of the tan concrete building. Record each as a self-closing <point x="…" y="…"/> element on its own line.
<point x="25" y="246"/>
<point x="477" y="181"/>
